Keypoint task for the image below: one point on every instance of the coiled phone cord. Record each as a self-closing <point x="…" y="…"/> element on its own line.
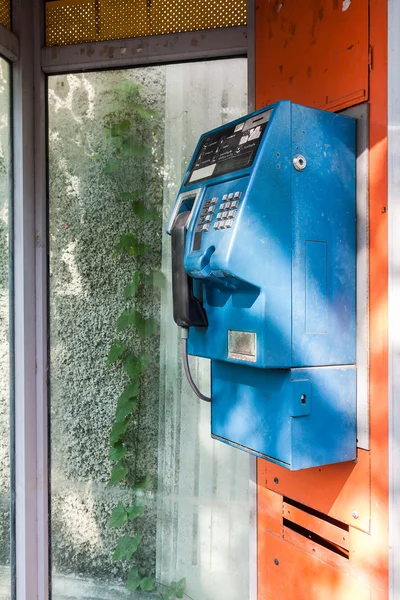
<point x="185" y="359"/>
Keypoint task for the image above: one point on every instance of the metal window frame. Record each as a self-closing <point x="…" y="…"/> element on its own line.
<point x="158" y="49"/>
<point x="394" y="294"/>
<point x="9" y="44"/>
<point x="30" y="303"/>
<point x="32" y="62"/>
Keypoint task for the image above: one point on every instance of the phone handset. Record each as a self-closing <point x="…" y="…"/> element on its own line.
<point x="188" y="310"/>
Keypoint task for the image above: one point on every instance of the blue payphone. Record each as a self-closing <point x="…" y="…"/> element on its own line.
<point x="264" y="281"/>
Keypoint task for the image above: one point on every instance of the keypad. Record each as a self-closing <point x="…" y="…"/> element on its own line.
<point x="219" y="217"/>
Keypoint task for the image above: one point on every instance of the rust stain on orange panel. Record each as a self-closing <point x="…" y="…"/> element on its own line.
<point x="312" y="52"/>
<point x="289" y="573"/>
<point x="335" y="490"/>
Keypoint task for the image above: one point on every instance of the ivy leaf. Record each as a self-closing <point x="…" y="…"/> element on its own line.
<point x="139" y="249"/>
<point x="137" y="319"/>
<point x="130" y="318"/>
<point x="116" y="352"/>
<point x="156" y="278"/>
<point x="118" y="473"/>
<point x="181" y="586"/>
<point x="175" y="590"/>
<point x="151" y="326"/>
<point x="146" y="113"/>
<point x="131" y="289"/>
<point x="126" y="547"/>
<point x="133" y="580"/>
<point x="125" y="243"/>
<point x="119" y="516"/>
<point x="112" y="165"/>
<point x="132" y="148"/>
<point x="132" y="366"/>
<point x="145" y="483"/>
<point x="167" y="593"/>
<point x="147" y="584"/>
<point x="118" y="129"/>
<point x="118" y="430"/>
<point x="117" y="452"/>
<point x="131" y="390"/>
<point x="124" y="408"/>
<point x="131" y="195"/>
<point x="145" y="361"/>
<point x="133" y="512"/>
<point x="143" y="213"/>
<point x="127" y="87"/>
<point x="124" y="320"/>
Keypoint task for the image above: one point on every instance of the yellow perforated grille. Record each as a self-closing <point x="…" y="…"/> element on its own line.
<point x="5" y="13"/>
<point x="76" y="21"/>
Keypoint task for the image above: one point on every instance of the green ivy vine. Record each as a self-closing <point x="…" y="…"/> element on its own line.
<point x="132" y="329"/>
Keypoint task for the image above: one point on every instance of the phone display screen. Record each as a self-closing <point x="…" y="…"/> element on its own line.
<point x="229" y="149"/>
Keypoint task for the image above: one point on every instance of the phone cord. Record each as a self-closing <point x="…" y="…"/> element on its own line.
<point x="185" y="360"/>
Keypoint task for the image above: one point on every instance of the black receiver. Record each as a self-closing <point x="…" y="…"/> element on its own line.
<point x="188" y="310"/>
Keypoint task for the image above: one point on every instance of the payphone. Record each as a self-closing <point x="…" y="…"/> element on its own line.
<point x="264" y="281"/>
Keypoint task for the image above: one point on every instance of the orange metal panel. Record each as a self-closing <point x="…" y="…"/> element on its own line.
<point x="308" y="53"/>
<point x="326" y="530"/>
<point x="336" y="490"/>
<point x="314" y="52"/>
<point x="378" y="315"/>
<point x="300" y="576"/>
<point x="316" y="551"/>
<point x="269" y="506"/>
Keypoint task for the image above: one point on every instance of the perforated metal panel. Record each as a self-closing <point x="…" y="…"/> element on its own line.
<point x="77" y="21"/>
<point x="5" y="13"/>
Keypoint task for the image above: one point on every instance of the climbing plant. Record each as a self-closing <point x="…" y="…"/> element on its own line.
<point x="134" y="326"/>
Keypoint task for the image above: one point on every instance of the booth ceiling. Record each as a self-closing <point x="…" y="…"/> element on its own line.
<point x="5" y="13"/>
<point x="78" y="21"/>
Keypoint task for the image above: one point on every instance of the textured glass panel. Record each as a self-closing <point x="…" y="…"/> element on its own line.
<point x="104" y="187"/>
<point x="5" y="166"/>
<point x="76" y="21"/>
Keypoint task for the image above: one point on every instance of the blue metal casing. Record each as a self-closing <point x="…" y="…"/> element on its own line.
<point x="277" y="281"/>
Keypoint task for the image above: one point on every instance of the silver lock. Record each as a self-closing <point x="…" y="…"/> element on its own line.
<point x="299" y="162"/>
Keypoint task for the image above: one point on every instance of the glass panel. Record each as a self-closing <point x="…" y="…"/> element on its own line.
<point x="5" y="272"/>
<point x="119" y="145"/>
